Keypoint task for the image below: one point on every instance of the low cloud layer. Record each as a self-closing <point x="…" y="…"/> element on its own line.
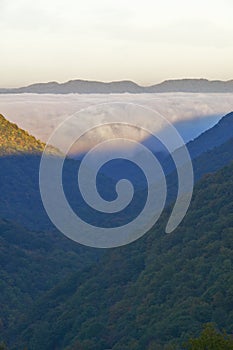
<point x="41" y="114"/>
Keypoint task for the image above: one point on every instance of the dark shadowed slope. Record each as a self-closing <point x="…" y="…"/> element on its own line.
<point x="19" y="175"/>
<point x="20" y="155"/>
<point x="207" y="141"/>
<point x="156" y="291"/>
<point x="30" y="264"/>
<point x="213" y="137"/>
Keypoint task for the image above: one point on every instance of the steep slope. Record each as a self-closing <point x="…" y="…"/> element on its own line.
<point x="92" y="307"/>
<point x="206" y="163"/>
<point x="157" y="291"/>
<point x="19" y="175"/>
<point x="20" y="155"/>
<point x="209" y="152"/>
<point x="125" y="86"/>
<point x="214" y="159"/>
<point x="15" y="141"/>
<point x="216" y="136"/>
<point x="30" y="264"/>
<point x="19" y="162"/>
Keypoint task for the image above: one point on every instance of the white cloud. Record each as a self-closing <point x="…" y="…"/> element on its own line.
<point x="41" y="114"/>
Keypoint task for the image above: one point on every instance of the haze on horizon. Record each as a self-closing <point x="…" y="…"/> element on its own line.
<point x="106" y="40"/>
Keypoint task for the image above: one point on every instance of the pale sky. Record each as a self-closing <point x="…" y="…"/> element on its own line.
<point x="144" y="41"/>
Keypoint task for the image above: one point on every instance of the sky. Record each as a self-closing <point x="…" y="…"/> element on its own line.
<point x="145" y="41"/>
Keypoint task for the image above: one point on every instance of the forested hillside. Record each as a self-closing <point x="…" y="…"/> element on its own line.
<point x="31" y="263"/>
<point x="19" y="176"/>
<point x="205" y="143"/>
<point x="211" y="138"/>
<point x="20" y="155"/>
<point x="14" y="140"/>
<point x="157" y="291"/>
<point x="153" y="293"/>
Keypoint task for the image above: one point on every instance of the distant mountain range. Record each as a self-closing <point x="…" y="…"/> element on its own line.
<point x="125" y="86"/>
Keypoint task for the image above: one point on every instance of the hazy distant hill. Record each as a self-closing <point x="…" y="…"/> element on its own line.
<point x="79" y="86"/>
<point x="193" y="85"/>
<point x="89" y="87"/>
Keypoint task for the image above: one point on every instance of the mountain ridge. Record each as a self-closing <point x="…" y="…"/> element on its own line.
<point x="125" y="86"/>
<point x="15" y="141"/>
<point x="210" y="139"/>
<point x="213" y="137"/>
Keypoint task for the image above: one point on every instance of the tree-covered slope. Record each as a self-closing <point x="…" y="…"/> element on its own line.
<point x="206" y="163"/>
<point x="209" y="140"/>
<point x="20" y="155"/>
<point x="19" y="176"/>
<point x="31" y="263"/>
<point x="14" y="140"/>
<point x="214" y="159"/>
<point x="214" y="137"/>
<point x="156" y="291"/>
